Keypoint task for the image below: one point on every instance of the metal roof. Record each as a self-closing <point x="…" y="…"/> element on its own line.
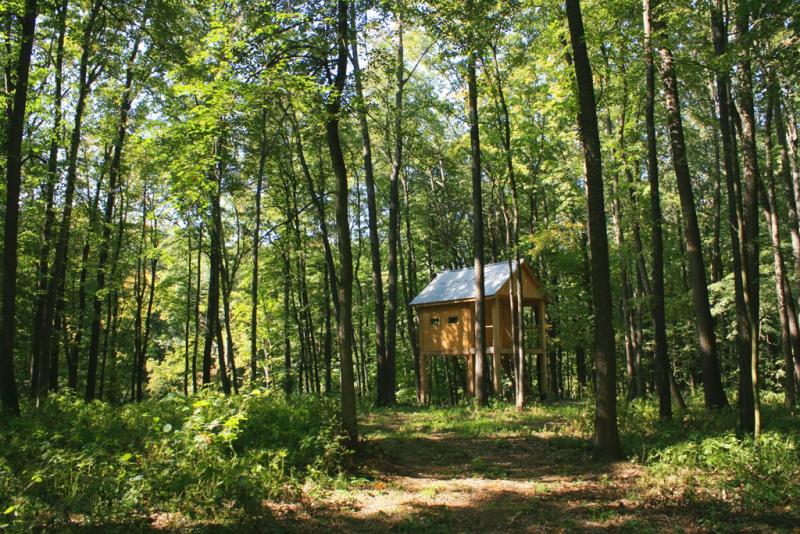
<point x="460" y="284"/>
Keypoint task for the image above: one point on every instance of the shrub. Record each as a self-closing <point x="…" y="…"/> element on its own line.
<point x="196" y="456"/>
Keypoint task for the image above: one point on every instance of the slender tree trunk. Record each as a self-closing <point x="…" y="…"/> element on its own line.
<point x="319" y="204"/>
<point x="113" y="178"/>
<point x="607" y="443"/>
<point x="712" y="381"/>
<point x="786" y="171"/>
<point x="198" y="283"/>
<point x="790" y="341"/>
<point x="343" y="229"/>
<point x="752" y="177"/>
<point x="327" y="348"/>
<point x="262" y="149"/>
<point x="663" y="371"/>
<point x="54" y="304"/>
<point x="8" y="328"/>
<point x="148" y="318"/>
<point x="188" y="320"/>
<point x="51" y="181"/>
<point x="394" y="223"/>
<point x="477" y="214"/>
<point x="91" y="370"/>
<point x="287" y="346"/>
<point x="720" y="39"/>
<point x="215" y="286"/>
<point x="384" y="396"/>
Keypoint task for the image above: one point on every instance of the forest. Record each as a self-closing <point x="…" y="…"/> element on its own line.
<point x="216" y="214"/>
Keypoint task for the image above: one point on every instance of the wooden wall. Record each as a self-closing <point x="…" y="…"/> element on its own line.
<point x="447" y="337"/>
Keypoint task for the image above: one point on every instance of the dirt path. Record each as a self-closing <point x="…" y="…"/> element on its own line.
<point x="441" y="481"/>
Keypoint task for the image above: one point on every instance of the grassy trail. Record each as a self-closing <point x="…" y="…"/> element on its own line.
<point x="458" y="470"/>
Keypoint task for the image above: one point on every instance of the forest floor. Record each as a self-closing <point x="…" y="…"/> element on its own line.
<point x="448" y="470"/>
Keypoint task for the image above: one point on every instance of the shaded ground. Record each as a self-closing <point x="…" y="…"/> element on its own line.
<point x="426" y="475"/>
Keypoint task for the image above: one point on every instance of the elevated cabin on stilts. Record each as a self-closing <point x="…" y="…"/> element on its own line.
<point x="446" y="311"/>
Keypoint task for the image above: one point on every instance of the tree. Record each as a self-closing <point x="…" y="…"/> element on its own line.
<point x="8" y="385"/>
<point x="607" y="443"/>
<point x="663" y="371"/>
<point x="712" y="382"/>
<point x="477" y="212"/>
<point x="345" y="318"/>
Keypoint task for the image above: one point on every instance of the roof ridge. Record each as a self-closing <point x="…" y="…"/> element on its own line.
<point x="505" y="262"/>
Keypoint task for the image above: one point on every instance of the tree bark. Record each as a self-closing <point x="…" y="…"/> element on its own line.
<point x="343" y="229"/>
<point x="9" y="396"/>
<point x="262" y="158"/>
<point x="752" y="177"/>
<point x="663" y="371"/>
<point x="383" y="393"/>
<point x="52" y="180"/>
<point x="394" y="224"/>
<point x="712" y="382"/>
<point x="607" y="443"/>
<point x="113" y="178"/>
<point x="54" y="303"/>
<point x="790" y="340"/>
<point x="477" y="215"/>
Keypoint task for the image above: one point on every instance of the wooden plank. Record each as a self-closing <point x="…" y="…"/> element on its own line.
<point x="497" y="335"/>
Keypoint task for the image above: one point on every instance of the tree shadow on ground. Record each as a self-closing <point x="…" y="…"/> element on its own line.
<point x="429" y="480"/>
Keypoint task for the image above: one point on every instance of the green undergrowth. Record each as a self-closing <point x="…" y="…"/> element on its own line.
<point x="197" y="458"/>
<point x="703" y="459"/>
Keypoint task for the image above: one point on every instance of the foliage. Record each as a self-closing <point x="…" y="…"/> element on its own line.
<point x="198" y="457"/>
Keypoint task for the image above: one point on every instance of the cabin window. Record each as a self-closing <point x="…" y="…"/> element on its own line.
<point x="453" y="319"/>
<point x="434" y="321"/>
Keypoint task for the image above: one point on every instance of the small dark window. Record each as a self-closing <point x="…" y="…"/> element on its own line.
<point x="453" y="319"/>
<point x="434" y="321"/>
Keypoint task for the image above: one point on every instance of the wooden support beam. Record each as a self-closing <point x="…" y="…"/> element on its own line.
<point x="497" y="337"/>
<point x="423" y="379"/>
<point x="471" y="375"/>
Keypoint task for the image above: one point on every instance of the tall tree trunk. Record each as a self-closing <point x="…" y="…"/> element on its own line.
<point x="663" y="369"/>
<point x="148" y="321"/>
<point x="54" y="304"/>
<point x="411" y="283"/>
<point x="343" y="229"/>
<point x="790" y="340"/>
<point x="712" y="381"/>
<point x="198" y="284"/>
<point x="262" y="158"/>
<point x="9" y="396"/>
<point x="477" y="215"/>
<point x="91" y="371"/>
<point x="607" y="443"/>
<point x="786" y="170"/>
<point x="217" y="275"/>
<point x="188" y="319"/>
<point x="374" y="239"/>
<point x="752" y="178"/>
<point x="730" y="158"/>
<point x="319" y="204"/>
<point x="113" y="178"/>
<point x="287" y="344"/>
<point x="51" y="181"/>
<point x="394" y="223"/>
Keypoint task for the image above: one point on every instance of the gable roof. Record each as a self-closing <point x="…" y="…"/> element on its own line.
<point x="459" y="284"/>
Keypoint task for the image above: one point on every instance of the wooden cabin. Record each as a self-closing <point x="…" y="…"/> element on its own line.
<point x="446" y="311"/>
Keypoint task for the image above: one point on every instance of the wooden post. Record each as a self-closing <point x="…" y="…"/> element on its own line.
<point x="471" y="375"/>
<point x="543" y="346"/>
<point x="497" y="336"/>
<point x="423" y="379"/>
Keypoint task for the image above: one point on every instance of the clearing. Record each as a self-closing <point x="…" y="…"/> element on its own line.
<point x="464" y="470"/>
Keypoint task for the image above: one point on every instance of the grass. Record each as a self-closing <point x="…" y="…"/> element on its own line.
<point x="256" y="462"/>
